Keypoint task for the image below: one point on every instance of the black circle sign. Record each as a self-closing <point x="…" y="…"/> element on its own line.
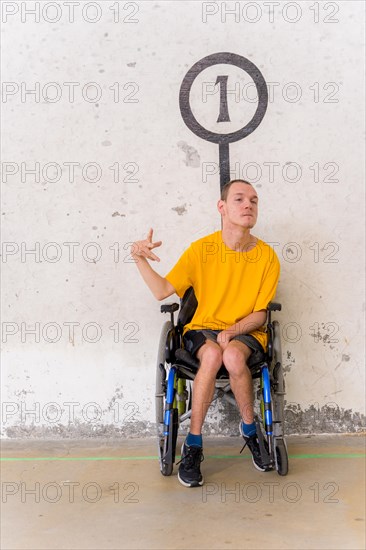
<point x="185" y="89"/>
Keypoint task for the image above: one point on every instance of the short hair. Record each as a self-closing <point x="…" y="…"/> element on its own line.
<point x="226" y="187"/>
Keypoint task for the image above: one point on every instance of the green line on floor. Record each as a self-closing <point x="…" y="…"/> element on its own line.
<point x="81" y="458"/>
<point x="70" y="458"/>
<point x="318" y="455"/>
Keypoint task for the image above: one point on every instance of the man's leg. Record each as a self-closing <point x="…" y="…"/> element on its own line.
<point x="210" y="358"/>
<point x="235" y="359"/>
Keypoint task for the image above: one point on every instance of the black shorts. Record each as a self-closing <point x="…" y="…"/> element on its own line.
<point x="194" y="339"/>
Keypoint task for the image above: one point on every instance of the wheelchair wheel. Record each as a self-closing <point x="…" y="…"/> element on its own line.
<point x="161" y="374"/>
<point x="277" y="360"/>
<point x="166" y="441"/>
<point x="281" y="457"/>
<point x="278" y="384"/>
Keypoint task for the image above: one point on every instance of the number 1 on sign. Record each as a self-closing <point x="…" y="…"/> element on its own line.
<point x="224" y="111"/>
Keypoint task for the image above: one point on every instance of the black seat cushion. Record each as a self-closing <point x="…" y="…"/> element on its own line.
<point x="183" y="356"/>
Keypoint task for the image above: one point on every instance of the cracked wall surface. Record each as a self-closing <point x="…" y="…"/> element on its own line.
<point x="96" y="152"/>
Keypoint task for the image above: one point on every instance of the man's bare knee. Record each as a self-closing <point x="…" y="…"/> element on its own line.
<point x="210" y="356"/>
<point x="235" y="358"/>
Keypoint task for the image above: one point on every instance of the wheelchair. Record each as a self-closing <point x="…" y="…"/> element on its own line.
<point x="176" y="369"/>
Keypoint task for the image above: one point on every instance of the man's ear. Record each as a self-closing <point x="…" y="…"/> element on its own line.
<point x="220" y="206"/>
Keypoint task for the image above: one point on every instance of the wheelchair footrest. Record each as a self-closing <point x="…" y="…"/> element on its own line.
<point x="266" y="458"/>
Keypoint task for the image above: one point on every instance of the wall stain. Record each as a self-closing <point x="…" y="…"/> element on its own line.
<point x="22" y="393"/>
<point x="192" y="157"/>
<point x="180" y="209"/>
<point x="289" y="362"/>
<point x="222" y="420"/>
<point x="329" y="418"/>
<point x="82" y="430"/>
<point x="118" y="214"/>
<point x="118" y="395"/>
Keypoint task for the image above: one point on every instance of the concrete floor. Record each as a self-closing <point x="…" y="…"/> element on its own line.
<point x="110" y="495"/>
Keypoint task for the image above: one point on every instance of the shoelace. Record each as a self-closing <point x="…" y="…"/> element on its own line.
<point x="194" y="457"/>
<point x="246" y="443"/>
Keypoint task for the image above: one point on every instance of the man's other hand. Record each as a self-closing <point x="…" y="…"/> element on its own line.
<point x="144" y="248"/>
<point x="223" y="339"/>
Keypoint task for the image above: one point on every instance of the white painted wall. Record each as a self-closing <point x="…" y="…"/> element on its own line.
<point x="318" y="218"/>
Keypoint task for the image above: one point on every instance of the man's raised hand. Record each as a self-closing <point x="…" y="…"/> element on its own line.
<point x="144" y="248"/>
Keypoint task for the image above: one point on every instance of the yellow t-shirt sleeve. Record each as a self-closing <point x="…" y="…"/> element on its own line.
<point x="269" y="285"/>
<point x="181" y="276"/>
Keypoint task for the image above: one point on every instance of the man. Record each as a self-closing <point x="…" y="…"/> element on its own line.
<point x="234" y="276"/>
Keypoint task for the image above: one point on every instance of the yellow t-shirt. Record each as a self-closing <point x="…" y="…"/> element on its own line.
<point x="228" y="284"/>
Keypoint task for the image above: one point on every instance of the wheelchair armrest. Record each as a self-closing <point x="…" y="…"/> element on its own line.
<point x="169" y="308"/>
<point x="274" y="306"/>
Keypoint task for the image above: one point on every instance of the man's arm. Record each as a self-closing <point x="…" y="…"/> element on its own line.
<point x="140" y="251"/>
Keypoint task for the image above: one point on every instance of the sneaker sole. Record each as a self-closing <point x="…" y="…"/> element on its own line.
<point x="257" y="467"/>
<point x="191" y="484"/>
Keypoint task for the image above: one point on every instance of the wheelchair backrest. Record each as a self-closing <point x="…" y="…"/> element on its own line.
<point x="188" y="306"/>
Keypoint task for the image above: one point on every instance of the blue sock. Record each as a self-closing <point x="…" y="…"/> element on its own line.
<point x="249" y="429"/>
<point x="194" y="440"/>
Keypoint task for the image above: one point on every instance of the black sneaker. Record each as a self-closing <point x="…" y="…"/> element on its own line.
<point x="189" y="473"/>
<point x="253" y="445"/>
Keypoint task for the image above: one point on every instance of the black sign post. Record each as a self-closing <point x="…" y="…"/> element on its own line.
<point x="223" y="140"/>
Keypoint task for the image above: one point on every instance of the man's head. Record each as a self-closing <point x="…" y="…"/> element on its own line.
<point x="238" y="205"/>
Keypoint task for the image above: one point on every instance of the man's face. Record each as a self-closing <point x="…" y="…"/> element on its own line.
<point x="241" y="206"/>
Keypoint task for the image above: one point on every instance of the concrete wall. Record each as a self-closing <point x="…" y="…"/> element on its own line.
<point x="106" y="79"/>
